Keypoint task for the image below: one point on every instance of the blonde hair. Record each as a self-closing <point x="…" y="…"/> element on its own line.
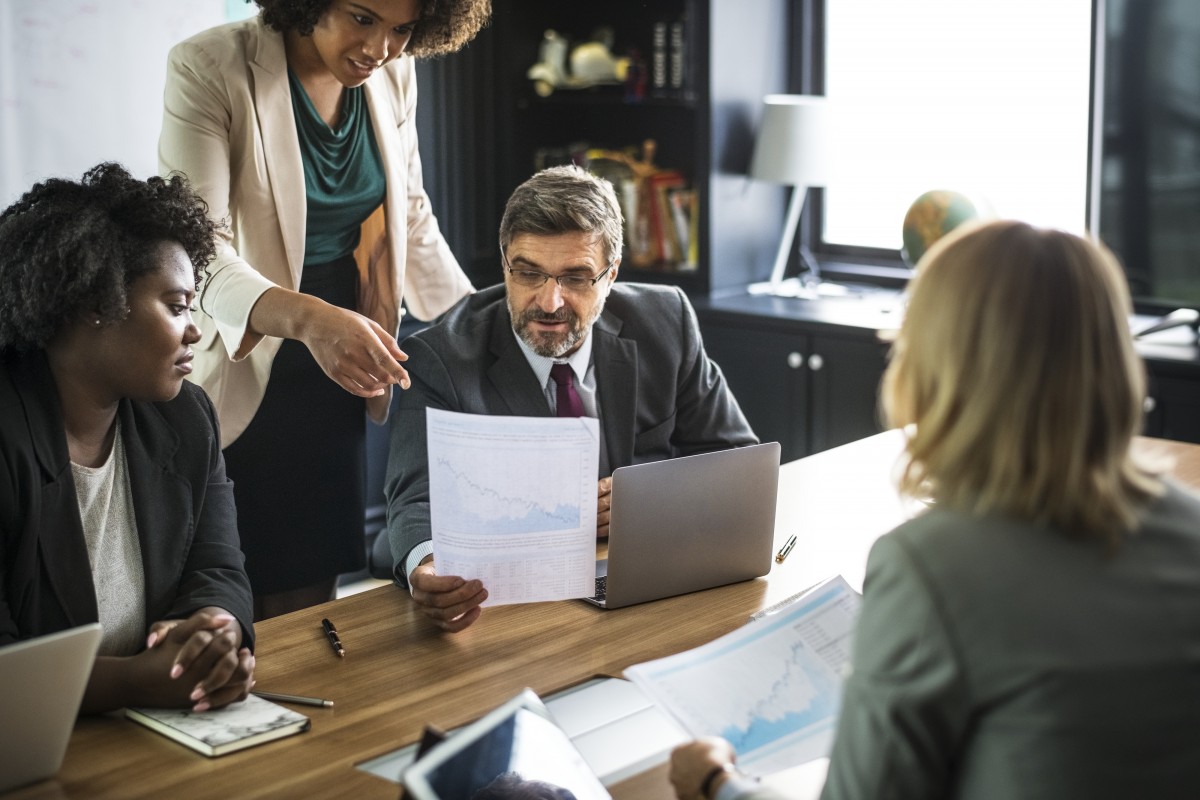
<point x="1016" y="369"/>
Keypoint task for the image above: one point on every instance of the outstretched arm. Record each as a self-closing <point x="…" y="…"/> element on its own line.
<point x="355" y="352"/>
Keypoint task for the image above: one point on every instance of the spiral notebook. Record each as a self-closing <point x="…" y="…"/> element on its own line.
<point x="235" y="727"/>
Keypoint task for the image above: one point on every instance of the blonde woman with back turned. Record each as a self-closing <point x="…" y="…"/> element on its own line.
<point x="1035" y="633"/>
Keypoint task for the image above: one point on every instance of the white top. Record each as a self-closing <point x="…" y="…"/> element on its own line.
<point x="110" y="530"/>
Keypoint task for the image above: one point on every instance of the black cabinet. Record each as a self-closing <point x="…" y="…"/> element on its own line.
<point x="844" y="389"/>
<point x="807" y="373"/>
<point x="807" y="390"/>
<point x="1173" y="401"/>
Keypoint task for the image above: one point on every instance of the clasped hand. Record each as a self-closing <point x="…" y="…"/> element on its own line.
<point x="197" y="661"/>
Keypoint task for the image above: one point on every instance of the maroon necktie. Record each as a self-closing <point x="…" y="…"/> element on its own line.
<point x="567" y="399"/>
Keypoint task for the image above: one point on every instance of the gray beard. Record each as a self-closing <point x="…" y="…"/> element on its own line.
<point x="551" y="346"/>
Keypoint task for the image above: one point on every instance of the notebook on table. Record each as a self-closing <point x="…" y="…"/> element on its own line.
<point x="689" y="523"/>
<point x="42" y="682"/>
<point x="234" y="727"/>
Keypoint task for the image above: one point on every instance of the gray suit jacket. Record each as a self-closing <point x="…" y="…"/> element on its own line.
<point x="659" y="395"/>
<point x="995" y="659"/>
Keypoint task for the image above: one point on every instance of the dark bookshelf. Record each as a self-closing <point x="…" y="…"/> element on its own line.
<point x="491" y="124"/>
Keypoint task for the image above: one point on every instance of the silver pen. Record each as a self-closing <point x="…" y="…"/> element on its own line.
<point x="295" y="698"/>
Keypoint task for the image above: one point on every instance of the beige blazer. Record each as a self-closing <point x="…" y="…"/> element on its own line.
<point x="228" y="125"/>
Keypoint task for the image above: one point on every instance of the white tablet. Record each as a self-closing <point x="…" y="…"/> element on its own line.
<point x="516" y="751"/>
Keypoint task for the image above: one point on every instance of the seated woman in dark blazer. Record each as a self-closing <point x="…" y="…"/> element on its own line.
<point x="1036" y="632"/>
<point x="114" y="505"/>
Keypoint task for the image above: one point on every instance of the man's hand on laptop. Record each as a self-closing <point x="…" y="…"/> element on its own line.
<point x="451" y="602"/>
<point x="603" y="504"/>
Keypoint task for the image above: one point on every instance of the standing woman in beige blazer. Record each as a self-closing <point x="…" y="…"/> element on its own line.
<point x="298" y="128"/>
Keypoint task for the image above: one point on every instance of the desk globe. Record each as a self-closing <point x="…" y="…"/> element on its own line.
<point x="930" y="217"/>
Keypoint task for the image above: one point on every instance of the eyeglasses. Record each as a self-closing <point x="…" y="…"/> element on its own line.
<point x="533" y="279"/>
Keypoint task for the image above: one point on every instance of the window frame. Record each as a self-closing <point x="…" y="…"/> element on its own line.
<point x="806" y="75"/>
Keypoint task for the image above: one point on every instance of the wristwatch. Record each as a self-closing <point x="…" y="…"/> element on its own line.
<point x="707" y="784"/>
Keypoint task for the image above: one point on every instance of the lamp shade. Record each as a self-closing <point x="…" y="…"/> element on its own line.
<point x="794" y="141"/>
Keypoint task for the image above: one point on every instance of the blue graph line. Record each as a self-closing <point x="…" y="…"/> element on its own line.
<point x="514" y="515"/>
<point x="761" y="731"/>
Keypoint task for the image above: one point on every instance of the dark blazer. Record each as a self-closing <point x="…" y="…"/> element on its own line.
<point x="659" y="395"/>
<point x="183" y="504"/>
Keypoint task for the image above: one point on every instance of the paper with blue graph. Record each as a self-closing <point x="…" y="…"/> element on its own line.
<point x="772" y="687"/>
<point x="512" y="501"/>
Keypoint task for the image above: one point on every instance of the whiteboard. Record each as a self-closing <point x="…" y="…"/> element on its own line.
<point x="81" y="81"/>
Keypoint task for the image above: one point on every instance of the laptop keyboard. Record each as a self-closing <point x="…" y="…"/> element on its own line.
<point x="601" y="587"/>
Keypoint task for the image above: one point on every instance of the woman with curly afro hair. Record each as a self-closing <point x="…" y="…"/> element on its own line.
<point x="114" y="504"/>
<point x="298" y="128"/>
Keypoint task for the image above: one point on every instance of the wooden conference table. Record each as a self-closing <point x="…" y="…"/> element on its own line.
<point x="399" y="673"/>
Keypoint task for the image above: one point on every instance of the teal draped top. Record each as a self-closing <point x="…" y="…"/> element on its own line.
<point x="343" y="173"/>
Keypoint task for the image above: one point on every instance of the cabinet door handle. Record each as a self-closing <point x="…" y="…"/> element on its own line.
<point x="1148" y="405"/>
<point x="795" y="360"/>
<point x="815" y="362"/>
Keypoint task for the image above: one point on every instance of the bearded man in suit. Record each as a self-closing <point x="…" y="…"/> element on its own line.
<point x="559" y="330"/>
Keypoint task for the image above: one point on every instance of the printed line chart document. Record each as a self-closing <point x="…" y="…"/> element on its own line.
<point x="772" y="687"/>
<point x="512" y="502"/>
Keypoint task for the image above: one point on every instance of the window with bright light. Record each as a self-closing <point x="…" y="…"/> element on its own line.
<point x="986" y="98"/>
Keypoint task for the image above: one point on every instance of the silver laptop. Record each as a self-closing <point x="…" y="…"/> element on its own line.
<point x="41" y="686"/>
<point x="688" y="524"/>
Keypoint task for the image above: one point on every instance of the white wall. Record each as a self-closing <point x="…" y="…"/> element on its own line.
<point x="81" y="82"/>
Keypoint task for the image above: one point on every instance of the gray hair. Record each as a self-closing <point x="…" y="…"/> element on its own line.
<point x="564" y="199"/>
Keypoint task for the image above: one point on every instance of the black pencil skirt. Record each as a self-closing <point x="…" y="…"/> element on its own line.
<point x="299" y="469"/>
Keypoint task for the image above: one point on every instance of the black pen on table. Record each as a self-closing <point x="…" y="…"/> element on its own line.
<point x="787" y="548"/>
<point x="294" y="698"/>
<point x="332" y="635"/>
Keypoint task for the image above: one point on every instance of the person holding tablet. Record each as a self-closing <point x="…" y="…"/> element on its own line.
<point x="299" y="128"/>
<point x="1033" y="633"/>
<point x="114" y="505"/>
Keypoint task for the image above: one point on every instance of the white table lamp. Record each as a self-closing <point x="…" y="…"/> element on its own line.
<point x="793" y="149"/>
